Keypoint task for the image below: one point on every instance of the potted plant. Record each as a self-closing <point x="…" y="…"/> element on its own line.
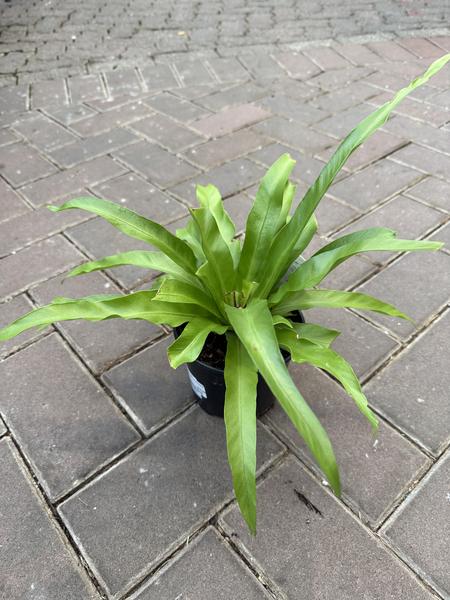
<point x="235" y="303"/>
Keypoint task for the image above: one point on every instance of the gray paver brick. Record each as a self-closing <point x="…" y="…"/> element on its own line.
<point x="175" y="107"/>
<point x="297" y="65"/>
<point x="234" y="95"/>
<point x="210" y="583"/>
<point x="404" y="285"/>
<point x="67" y="115"/>
<point x="11" y="204"/>
<point x="375" y="183"/>
<point x="44" y="133"/>
<point x="115" y="117"/>
<point x="336" y="552"/>
<point x="36" y="263"/>
<point x="425" y="160"/>
<point x="332" y="214"/>
<point x="326" y="58"/>
<point x="159" y="77"/>
<point x="149" y="388"/>
<point x="226" y="148"/>
<point x="193" y="72"/>
<point x="292" y="108"/>
<point x="383" y="466"/>
<point x="21" y="163"/>
<point x="91" y="147"/>
<point x="168" y="133"/>
<point x="35" y="225"/>
<point x="66" y="432"/>
<point x="93" y="340"/>
<point x="13" y="99"/>
<point x="230" y="178"/>
<point x="123" y="81"/>
<point x="420" y="529"/>
<point x="48" y="93"/>
<point x="358" y="54"/>
<point x="9" y="311"/>
<point x="361" y="344"/>
<point x="39" y="565"/>
<point x="230" y="119"/>
<point x="261" y="65"/>
<point x="85" y="87"/>
<point x="294" y="134"/>
<point x="154" y="498"/>
<point x="228" y="69"/>
<point x="413" y="390"/>
<point x="408" y="218"/>
<point x="432" y="191"/>
<point x="71" y="181"/>
<point x="157" y="164"/>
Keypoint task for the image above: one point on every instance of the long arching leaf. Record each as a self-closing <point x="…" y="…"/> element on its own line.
<point x="137" y="227"/>
<point x="253" y="325"/>
<point x="284" y="242"/>
<point x="241" y="378"/>
<point x="263" y="218"/>
<point x="330" y="361"/>
<point x="156" y="261"/>
<point x="188" y="346"/>
<point x="316" y="268"/>
<point x="335" y="299"/>
<point x="172" y="290"/>
<point x="139" y="305"/>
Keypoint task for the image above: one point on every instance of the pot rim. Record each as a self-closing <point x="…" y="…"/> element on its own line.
<point x="216" y="369"/>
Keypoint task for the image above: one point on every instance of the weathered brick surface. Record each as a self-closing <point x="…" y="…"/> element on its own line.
<point x="385" y="464"/>
<point x="156" y="163"/>
<point x="21" y="163"/>
<point x="155" y="498"/>
<point x="420" y="529"/>
<point x="148" y="388"/>
<point x="202" y="557"/>
<point x="64" y="440"/>
<point x="412" y="390"/>
<point x="144" y="137"/>
<point x="313" y="526"/>
<point x="40" y="564"/>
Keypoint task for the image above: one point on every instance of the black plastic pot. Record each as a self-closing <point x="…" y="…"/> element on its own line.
<point x="208" y="383"/>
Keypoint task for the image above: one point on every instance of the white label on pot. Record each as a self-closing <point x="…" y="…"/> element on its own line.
<point x="197" y="387"/>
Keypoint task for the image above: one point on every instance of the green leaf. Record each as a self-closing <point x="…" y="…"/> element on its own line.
<point x="335" y="299"/>
<point x="188" y="346"/>
<point x="218" y="273"/>
<point x="156" y="261"/>
<point x="138" y="305"/>
<point x="316" y="268"/>
<point x="304" y="351"/>
<point x="241" y="378"/>
<point x="285" y="240"/>
<point x="172" y="290"/>
<point x="288" y="198"/>
<point x="191" y="235"/>
<point x="264" y="217"/>
<point x="322" y="336"/>
<point x="137" y="227"/>
<point x="253" y="325"/>
<point x="209" y="197"/>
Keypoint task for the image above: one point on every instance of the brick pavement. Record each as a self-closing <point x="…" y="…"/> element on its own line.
<point x="115" y="484"/>
<point x="49" y="39"/>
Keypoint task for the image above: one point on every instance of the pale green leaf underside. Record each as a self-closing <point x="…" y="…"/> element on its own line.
<point x="241" y="378"/>
<point x="253" y="325"/>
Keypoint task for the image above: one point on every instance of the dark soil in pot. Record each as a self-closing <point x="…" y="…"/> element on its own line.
<point x="206" y="375"/>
